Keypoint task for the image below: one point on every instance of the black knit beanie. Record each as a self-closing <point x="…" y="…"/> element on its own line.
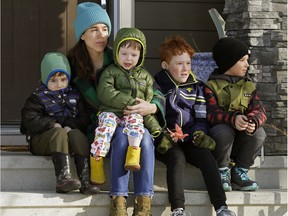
<point x="227" y="51"/>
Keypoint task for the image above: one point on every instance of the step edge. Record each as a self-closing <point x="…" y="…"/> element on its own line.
<point x="193" y="197"/>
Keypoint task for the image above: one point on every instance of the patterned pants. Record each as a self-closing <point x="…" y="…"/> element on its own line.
<point x="108" y="121"/>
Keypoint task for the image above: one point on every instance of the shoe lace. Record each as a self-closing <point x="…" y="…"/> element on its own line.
<point x="225" y="174"/>
<point x="180" y="212"/>
<point x="224" y="209"/>
<point x="242" y="173"/>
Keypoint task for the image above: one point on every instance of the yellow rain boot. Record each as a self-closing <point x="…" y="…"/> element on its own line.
<point x="133" y="159"/>
<point x="97" y="175"/>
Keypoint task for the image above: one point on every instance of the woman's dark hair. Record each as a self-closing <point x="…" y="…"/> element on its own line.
<point x="80" y="61"/>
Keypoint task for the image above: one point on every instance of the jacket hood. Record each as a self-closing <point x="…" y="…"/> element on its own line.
<point x="130" y="34"/>
<point x="54" y="62"/>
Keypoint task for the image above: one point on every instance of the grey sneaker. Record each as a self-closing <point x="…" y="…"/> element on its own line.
<point x="224" y="211"/>
<point x="225" y="178"/>
<point x="180" y="212"/>
<point x="241" y="181"/>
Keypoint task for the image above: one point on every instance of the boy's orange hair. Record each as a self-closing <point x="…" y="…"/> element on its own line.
<point x="172" y="46"/>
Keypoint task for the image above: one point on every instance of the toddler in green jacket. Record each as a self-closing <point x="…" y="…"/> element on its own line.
<point x="123" y="84"/>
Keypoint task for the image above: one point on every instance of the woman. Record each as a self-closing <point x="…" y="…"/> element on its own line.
<point x="88" y="58"/>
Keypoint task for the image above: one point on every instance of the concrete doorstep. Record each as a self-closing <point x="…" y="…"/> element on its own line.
<point x="28" y="189"/>
<point x="260" y="203"/>
<point x="22" y="171"/>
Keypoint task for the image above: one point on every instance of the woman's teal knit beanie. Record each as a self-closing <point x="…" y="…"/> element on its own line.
<point x="54" y="62"/>
<point x="89" y="14"/>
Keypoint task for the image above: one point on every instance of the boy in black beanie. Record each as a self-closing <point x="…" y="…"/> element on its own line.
<point x="235" y="114"/>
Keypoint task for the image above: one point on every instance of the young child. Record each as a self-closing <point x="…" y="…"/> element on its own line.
<point x="186" y="107"/>
<point x="235" y="114"/>
<point x="54" y="119"/>
<point x="122" y="84"/>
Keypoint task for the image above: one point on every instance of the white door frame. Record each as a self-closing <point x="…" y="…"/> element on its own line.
<point x="124" y="14"/>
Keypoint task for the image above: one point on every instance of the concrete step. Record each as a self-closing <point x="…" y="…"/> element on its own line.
<point x="11" y="136"/>
<point x="22" y="171"/>
<point x="47" y="203"/>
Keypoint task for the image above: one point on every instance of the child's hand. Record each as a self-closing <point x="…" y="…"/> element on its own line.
<point x="67" y="129"/>
<point x="178" y="134"/>
<point x="57" y="125"/>
<point x="241" y="122"/>
<point x="97" y="157"/>
<point x="251" y="127"/>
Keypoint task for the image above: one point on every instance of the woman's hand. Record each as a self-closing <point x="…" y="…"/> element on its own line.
<point x="142" y="107"/>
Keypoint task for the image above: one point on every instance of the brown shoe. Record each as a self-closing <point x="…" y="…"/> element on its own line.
<point x="118" y="206"/>
<point x="142" y="206"/>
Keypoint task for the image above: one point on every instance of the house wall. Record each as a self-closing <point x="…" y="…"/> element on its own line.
<point x="189" y="18"/>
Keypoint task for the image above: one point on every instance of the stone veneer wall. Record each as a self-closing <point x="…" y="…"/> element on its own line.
<point x="263" y="25"/>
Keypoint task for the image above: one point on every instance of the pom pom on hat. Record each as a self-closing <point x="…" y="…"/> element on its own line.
<point x="227" y="51"/>
<point x="54" y="62"/>
<point x="88" y="14"/>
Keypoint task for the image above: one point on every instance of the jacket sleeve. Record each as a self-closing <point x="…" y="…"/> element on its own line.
<point x="82" y="119"/>
<point x="200" y="112"/>
<point x="88" y="92"/>
<point x="256" y="111"/>
<point x="34" y="118"/>
<point x="160" y="101"/>
<point x="215" y="115"/>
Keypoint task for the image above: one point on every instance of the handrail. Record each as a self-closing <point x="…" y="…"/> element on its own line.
<point x="218" y="22"/>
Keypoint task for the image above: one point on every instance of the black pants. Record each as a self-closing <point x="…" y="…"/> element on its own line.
<point x="175" y="159"/>
<point x="236" y="145"/>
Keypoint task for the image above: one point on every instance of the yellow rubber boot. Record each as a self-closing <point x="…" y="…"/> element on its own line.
<point x="133" y="159"/>
<point x="97" y="175"/>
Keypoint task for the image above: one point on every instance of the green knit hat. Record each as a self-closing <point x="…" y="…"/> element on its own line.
<point x="54" y="62"/>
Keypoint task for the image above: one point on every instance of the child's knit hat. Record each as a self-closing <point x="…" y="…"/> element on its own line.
<point x="54" y="62"/>
<point x="227" y="51"/>
<point x="88" y="14"/>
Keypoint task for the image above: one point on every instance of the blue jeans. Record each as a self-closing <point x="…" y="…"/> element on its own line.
<point x="119" y="177"/>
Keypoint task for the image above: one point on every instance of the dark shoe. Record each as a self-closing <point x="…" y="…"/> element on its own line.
<point x="180" y="212"/>
<point x="83" y="172"/>
<point x="241" y="181"/>
<point x="224" y="211"/>
<point x="118" y="206"/>
<point x="142" y="206"/>
<point x="64" y="182"/>
<point x="225" y="178"/>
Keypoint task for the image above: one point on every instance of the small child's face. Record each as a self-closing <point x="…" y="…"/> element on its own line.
<point x="240" y="68"/>
<point x="179" y="67"/>
<point x="128" y="57"/>
<point x="58" y="82"/>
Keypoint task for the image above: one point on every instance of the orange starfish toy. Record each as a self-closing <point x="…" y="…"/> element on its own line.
<point x="178" y="133"/>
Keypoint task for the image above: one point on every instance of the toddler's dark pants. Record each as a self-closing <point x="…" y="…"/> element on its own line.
<point x="57" y="140"/>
